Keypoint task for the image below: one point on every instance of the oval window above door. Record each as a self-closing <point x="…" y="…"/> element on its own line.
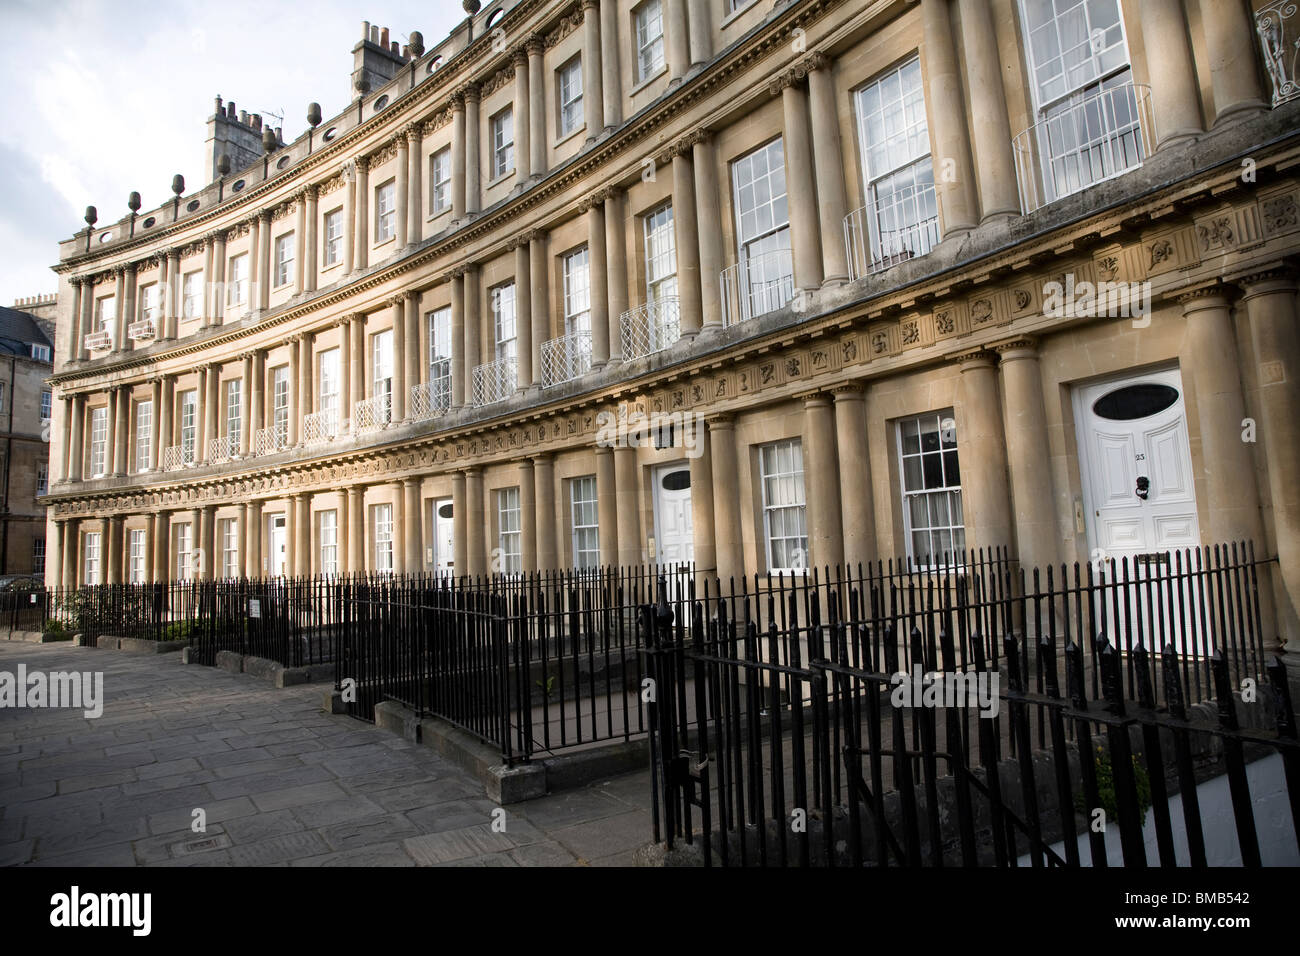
<point x="676" y="481"/>
<point x="445" y="511"/>
<point x="1135" y="401"/>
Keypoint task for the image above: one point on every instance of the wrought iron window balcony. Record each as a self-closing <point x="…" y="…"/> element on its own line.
<point x="267" y="441"/>
<point x="321" y="427"/>
<point x="1084" y="142"/>
<point x="141" y="331"/>
<point x="891" y="229"/>
<point x="652" y="327"/>
<point x="429" y="400"/>
<point x="99" y="341"/>
<point x="1278" y="25"/>
<point x="495" y="381"/>
<point x="373" y="413"/>
<point x="566" y="358"/>
<point x="757" y="285"/>
<point x="178" y="456"/>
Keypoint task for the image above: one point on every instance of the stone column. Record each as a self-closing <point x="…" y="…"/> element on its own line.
<point x="72" y="547"/>
<point x="616" y="226"/>
<point x="123" y="440"/>
<point x="254" y="262"/>
<point x="459" y="526"/>
<point x="161" y="545"/>
<point x="205" y="309"/>
<point x="201" y="414"/>
<point x="344" y="325"/>
<point x="250" y="539"/>
<point x="726" y="503"/>
<point x="999" y="195"/>
<point x="361" y="218"/>
<point x="307" y="373"/>
<point x="471" y="310"/>
<point x="1270" y="299"/>
<point x="342" y="539"/>
<point x="398" y="303"/>
<point x="702" y="531"/>
<point x="155" y="430"/>
<point x="399" y="529"/>
<point x="523" y="315"/>
<point x="805" y="232"/>
<point x="536" y="46"/>
<point x="822" y="483"/>
<point x="686" y="236"/>
<point x="522" y="119"/>
<point x="210" y="556"/>
<point x="597" y="257"/>
<point x="527" y="515"/>
<point x="172" y="281"/>
<point x="611" y="81"/>
<point x="266" y="277"/>
<point x="854" y="476"/>
<point x="150" y="536"/>
<point x="357" y="359"/>
<point x="414" y="354"/>
<point x="544" y="512"/>
<point x="350" y="217"/>
<point x="257" y="398"/>
<point x="593" y="81"/>
<point x="110" y="447"/>
<point x="982" y="446"/>
<point x="627" y="481"/>
<point x="401" y="194"/>
<point x="415" y="184"/>
<point x="831" y="195"/>
<point x="1025" y="428"/>
<point x="198" y="560"/>
<point x="956" y="195"/>
<point x="295" y="378"/>
<point x="72" y="348"/>
<point x="413" y="530"/>
<point x="607" y="506"/>
<point x="113" y="542"/>
<point x="219" y="266"/>
<point x="212" y="403"/>
<point x="701" y="32"/>
<point x="166" y="415"/>
<point x="300" y="242"/>
<point x="539" y="297"/>
<point x="128" y="306"/>
<point x="473" y="166"/>
<point x="460" y="378"/>
<point x="356" y="520"/>
<point x="709" y="214"/>
<point x="118" y="331"/>
<point x="1234" y="69"/>
<point x="458" y="155"/>
<point x="246" y="398"/>
<point x="475" y="529"/>
<point x="1174" y="96"/>
<point x="310" y="241"/>
<point x="676" y="39"/>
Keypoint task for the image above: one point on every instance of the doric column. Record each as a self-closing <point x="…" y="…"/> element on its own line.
<point x="458" y="155"/>
<point x="726" y="503"/>
<point x="676" y="38"/>
<point x="172" y="282"/>
<point x="400" y="535"/>
<point x="459" y="526"/>
<point x="610" y="80"/>
<point x="607" y="505"/>
<point x="523" y="314"/>
<point x="309" y="249"/>
<point x="295" y="388"/>
<point x="300" y="242"/>
<point x="461" y="386"/>
<point x="593" y="79"/>
<point x="401" y="198"/>
<point x="69" y="405"/>
<point x="981" y="441"/>
<point x="988" y="106"/>
<point x="709" y="214"/>
<point x="1270" y="299"/>
<point x="72" y="546"/>
<point x="361" y="218"/>
<point x="539" y="280"/>
<point x="415" y="184"/>
<point x="822" y="483"/>
<point x="702" y="534"/>
<point x="956" y="193"/>
<point x="854" y="476"/>
<point x="523" y="123"/>
<point x="1234" y="71"/>
<point x="356" y="519"/>
<point x="413" y="530"/>
<point x="110" y="447"/>
<point x="118" y="331"/>
<point x="471" y="311"/>
<point x="350" y="217"/>
<point x="399" y="356"/>
<point x="211" y="557"/>
<point x="536" y="47"/>
<point x="161" y="546"/>
<point x="627" y="481"/>
<point x="686" y="236"/>
<point x="527" y="515"/>
<point x="1025" y="429"/>
<point x="123" y="439"/>
<point x="544" y="512"/>
<point x="150" y="552"/>
<point x="218" y="311"/>
<point x="113" y="542"/>
<point x="302" y="532"/>
<point x="617" y="279"/>
<point x="597" y="258"/>
<point x="475" y="528"/>
<point x="250" y="539"/>
<point x="1174" y="96"/>
<point x="805" y="232"/>
<point x="198" y="559"/>
<point x="473" y="166"/>
<point x="266" y="275"/>
<point x="832" y="199"/>
<point x="343" y="536"/>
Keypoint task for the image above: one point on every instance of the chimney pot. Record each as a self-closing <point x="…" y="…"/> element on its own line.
<point x="383" y="37"/>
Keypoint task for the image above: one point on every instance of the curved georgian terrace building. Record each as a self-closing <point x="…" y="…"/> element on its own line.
<point x="757" y="284"/>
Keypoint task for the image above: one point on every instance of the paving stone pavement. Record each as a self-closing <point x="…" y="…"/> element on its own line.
<point x="281" y="782"/>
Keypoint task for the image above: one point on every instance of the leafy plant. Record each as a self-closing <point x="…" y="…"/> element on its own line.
<point x="548" y="687"/>
<point x="54" y="628"/>
<point x="1106" y="787"/>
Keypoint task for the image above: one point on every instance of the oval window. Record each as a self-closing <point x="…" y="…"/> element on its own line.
<point x="192" y="205"/>
<point x="105" y="236"/>
<point x="433" y="64"/>
<point x="676" y="481"/>
<point x="494" y="17"/>
<point x="381" y="102"/>
<point x="329" y="134"/>
<point x="284" y="161"/>
<point x="445" y="511"/>
<point x="1135" y="401"/>
<point x="237" y="187"/>
<point x="149" y="222"/>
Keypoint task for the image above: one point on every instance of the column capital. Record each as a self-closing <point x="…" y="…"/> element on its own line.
<point x="721" y="421"/>
<point x="411" y="482"/>
<point x="396" y="299"/>
<point x="535" y="44"/>
<point x="519" y="56"/>
<point x="791" y="76"/>
<point x="1024" y="346"/>
<point x="1277" y="277"/>
<point x="849" y="392"/>
<point x="119" y="271"/>
<point x="469" y="92"/>
<point x="536" y="235"/>
<point x="473" y="471"/>
<point x="414" y="132"/>
<point x="215" y="236"/>
<point x="814" y="398"/>
<point x="975" y="358"/>
<point x="818" y="60"/>
<point x="411" y="295"/>
<point x="1211" y="295"/>
<point x="174" y="253"/>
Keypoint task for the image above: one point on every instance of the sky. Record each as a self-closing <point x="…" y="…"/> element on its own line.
<point x="102" y="97"/>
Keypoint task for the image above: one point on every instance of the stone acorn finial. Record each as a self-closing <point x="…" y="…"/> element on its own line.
<point x="415" y="44"/>
<point x="92" y="216"/>
<point x="268" y="139"/>
<point x="178" y="184"/>
<point x="472" y="6"/>
<point x="313" y="114"/>
<point x="133" y="202"/>
<point x="362" y="85"/>
<point x="223" y="164"/>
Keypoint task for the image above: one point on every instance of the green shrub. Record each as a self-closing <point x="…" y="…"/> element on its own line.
<point x="54" y="628"/>
<point x="1106" y="787"/>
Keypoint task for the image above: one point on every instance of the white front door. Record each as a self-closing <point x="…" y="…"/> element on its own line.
<point x="1138" y="492"/>
<point x="279" y="553"/>
<point x="444" y="541"/>
<point x="674" y="536"/>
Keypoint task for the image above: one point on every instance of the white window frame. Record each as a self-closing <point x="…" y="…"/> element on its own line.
<point x="99" y="441"/>
<point x="280" y="404"/>
<point x="149" y="302"/>
<point x="385" y="211"/>
<point x="328" y="382"/>
<point x="381" y="369"/>
<point x="234" y="408"/>
<point x="382" y="523"/>
<point x="327" y="534"/>
<point x="189" y="425"/>
<point x="40" y="353"/>
<point x="333" y="237"/>
<point x="505" y="321"/>
<point x="660" y="254"/>
<point x="945" y="455"/>
<point x="93" y="557"/>
<point x="184" y="551"/>
<point x="229" y="538"/>
<point x="584" y="519"/>
<point x="42" y="479"/>
<point x="440" y="356"/>
<point x="649" y="26"/>
<point x="144" y="435"/>
<point x="38" y="555"/>
<point x="237" y="284"/>
<point x="510" y="534"/>
<point x="440" y="181"/>
<point x="761" y="210"/>
<point x="136" y="555"/>
<point x="47" y="404"/>
<point x="105" y="312"/>
<point x="785" y="506"/>
<point x="192" y="295"/>
<point x="502" y="126"/>
<point x="285" y="250"/>
<point x="576" y="272"/>
<point x="570" y="110"/>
